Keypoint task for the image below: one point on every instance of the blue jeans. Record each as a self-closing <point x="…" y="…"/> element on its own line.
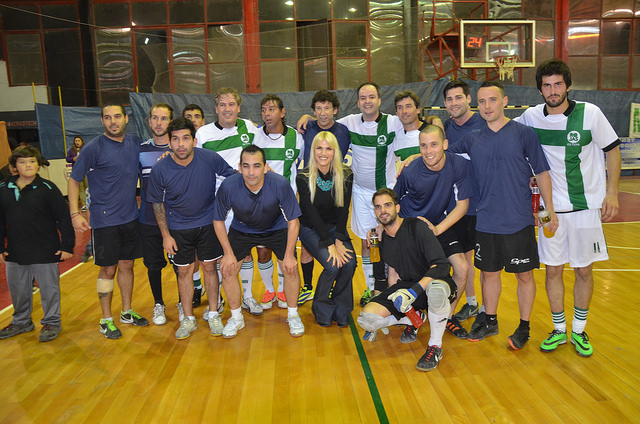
<point x="333" y="299"/>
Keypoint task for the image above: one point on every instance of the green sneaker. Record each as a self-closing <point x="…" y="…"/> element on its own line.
<point x="581" y="341"/>
<point x="131" y="317"/>
<point x="305" y="295"/>
<point x="366" y="297"/>
<point x="555" y="339"/>
<point x="109" y="329"/>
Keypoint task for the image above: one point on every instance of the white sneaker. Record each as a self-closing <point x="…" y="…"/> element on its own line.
<point x="215" y="325"/>
<point x="252" y="306"/>
<point x="158" y="315"/>
<point x="180" y="312"/>
<point x="205" y="316"/>
<point x="296" y="328"/>
<point x="186" y="327"/>
<point x="231" y="329"/>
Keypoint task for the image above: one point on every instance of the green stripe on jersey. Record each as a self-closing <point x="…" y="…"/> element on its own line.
<point x="289" y="153"/>
<point x="407" y="151"/>
<point x="381" y="142"/>
<point x="241" y="140"/>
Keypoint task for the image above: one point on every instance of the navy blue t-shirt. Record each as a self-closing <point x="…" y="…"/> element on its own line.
<point x="426" y="193"/>
<point x="188" y="192"/>
<point x="339" y="130"/>
<point x="111" y="168"/>
<point x="149" y="155"/>
<point x="502" y="164"/>
<point x="257" y="213"/>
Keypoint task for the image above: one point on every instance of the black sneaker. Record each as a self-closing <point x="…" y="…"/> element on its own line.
<point x="410" y="333"/>
<point x="519" y="338"/>
<point x="49" y="332"/>
<point x="478" y="321"/>
<point x="467" y="311"/>
<point x="484" y="330"/>
<point x="197" y="297"/>
<point x="109" y="329"/>
<point x="13" y="330"/>
<point x="85" y="257"/>
<point x="455" y="328"/>
<point x="131" y="317"/>
<point x="430" y="359"/>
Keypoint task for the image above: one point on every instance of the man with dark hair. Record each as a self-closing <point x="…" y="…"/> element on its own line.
<point x="409" y="246"/>
<point x="227" y="136"/>
<point x="577" y="139"/>
<point x="503" y="155"/>
<point x="408" y="111"/>
<point x="283" y="147"/>
<point x="266" y="213"/>
<point x="463" y="121"/>
<point x="153" y="254"/>
<point x="194" y="114"/>
<point x="110" y="162"/>
<point x="182" y="189"/>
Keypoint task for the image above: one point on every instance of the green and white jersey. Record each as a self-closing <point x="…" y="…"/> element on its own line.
<point x="573" y="143"/>
<point x="372" y="154"/>
<point x="227" y="142"/>
<point x="282" y="151"/>
<point x="407" y="143"/>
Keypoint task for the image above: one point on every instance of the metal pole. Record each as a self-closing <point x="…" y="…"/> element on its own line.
<point x="64" y="137"/>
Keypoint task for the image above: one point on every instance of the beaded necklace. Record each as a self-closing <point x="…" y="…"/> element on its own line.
<point x="324" y="185"/>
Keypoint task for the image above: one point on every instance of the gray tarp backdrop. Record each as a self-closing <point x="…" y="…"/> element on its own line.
<point x="85" y="121"/>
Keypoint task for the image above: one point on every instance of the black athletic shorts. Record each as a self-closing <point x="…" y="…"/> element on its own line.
<point x="465" y="230"/>
<point x="202" y="240"/>
<point x="153" y="254"/>
<point x="421" y="303"/>
<point x="449" y="242"/>
<point x="242" y="243"/>
<point x="515" y="253"/>
<point x="115" y="243"/>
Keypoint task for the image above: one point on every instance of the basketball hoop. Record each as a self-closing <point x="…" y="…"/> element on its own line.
<point x="506" y="65"/>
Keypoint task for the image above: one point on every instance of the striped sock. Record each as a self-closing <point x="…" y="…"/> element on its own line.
<point x="579" y="319"/>
<point x="266" y="273"/>
<point x="559" y="321"/>
<point x="246" y="276"/>
<point x="367" y="268"/>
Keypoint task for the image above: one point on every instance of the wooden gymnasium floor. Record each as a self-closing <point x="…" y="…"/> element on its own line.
<point x="330" y="375"/>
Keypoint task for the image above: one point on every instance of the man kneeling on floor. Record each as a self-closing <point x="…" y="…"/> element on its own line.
<point x="410" y="247"/>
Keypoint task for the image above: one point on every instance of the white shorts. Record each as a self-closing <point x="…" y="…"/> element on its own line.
<point x="362" y="217"/>
<point x="578" y="241"/>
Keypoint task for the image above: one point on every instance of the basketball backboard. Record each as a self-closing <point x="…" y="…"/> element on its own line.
<point x="483" y="40"/>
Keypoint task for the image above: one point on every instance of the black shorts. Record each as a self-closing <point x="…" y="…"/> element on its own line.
<point x="420" y="303"/>
<point x="449" y="242"/>
<point x="202" y="240"/>
<point x="515" y="253"/>
<point x="242" y="243"/>
<point x="465" y="230"/>
<point x="153" y="254"/>
<point x="116" y="243"/>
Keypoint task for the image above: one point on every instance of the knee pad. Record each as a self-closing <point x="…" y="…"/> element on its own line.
<point x="438" y="292"/>
<point x="371" y="322"/>
<point x="105" y="285"/>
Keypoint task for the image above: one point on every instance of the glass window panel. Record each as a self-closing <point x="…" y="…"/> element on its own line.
<point x="67" y="14"/>
<point x="635" y="83"/>
<point x="224" y="10"/>
<point x="387" y="53"/>
<point x="614" y="72"/>
<point x="227" y="75"/>
<point x="152" y="61"/>
<point x="315" y="74"/>
<point x="313" y="9"/>
<point x="149" y="13"/>
<point x="114" y="64"/>
<point x="20" y="19"/>
<point x="111" y="15"/>
<point x="386" y="9"/>
<point x="24" y="54"/>
<point x="584" y="8"/>
<point x="350" y="73"/>
<point x="277" y="40"/>
<point x="350" y="9"/>
<point x="64" y="66"/>
<point x="274" y="10"/>
<point x="545" y="50"/>
<point x="583" y="36"/>
<point x="615" y="37"/>
<point x="617" y="8"/>
<point x="188" y="45"/>
<point x="538" y="9"/>
<point x="278" y="77"/>
<point x="500" y="9"/>
<point x="226" y="43"/>
<point x="351" y="39"/>
<point x="636" y="37"/>
<point x="186" y="12"/>
<point x="584" y="80"/>
<point x="190" y="79"/>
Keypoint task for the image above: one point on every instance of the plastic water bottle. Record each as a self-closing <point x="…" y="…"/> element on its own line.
<point x="545" y="218"/>
<point x="374" y="249"/>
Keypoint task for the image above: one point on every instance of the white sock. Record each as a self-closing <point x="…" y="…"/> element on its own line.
<point x="266" y="273"/>
<point x="471" y="300"/>
<point x="367" y="269"/>
<point x="246" y="276"/>
<point x="292" y="312"/>
<point x="437" y="324"/>
<point x="219" y="273"/>
<point x="236" y="314"/>
<point x="280" y="280"/>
